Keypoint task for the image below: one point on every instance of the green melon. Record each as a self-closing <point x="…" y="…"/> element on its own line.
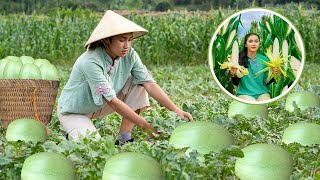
<point x="48" y="166"/>
<point x="304" y="133"/>
<point x="49" y="72"/>
<point x="132" y="166"/>
<point x="29" y="71"/>
<point x="247" y="110"/>
<point x="264" y="162"/>
<point x="3" y="64"/>
<point x="201" y="136"/>
<point x="27" y="59"/>
<point x="26" y="130"/>
<point x="39" y="62"/>
<point x="303" y="99"/>
<point x="14" y="58"/>
<point x="12" y="69"/>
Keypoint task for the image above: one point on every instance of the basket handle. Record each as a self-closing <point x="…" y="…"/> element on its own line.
<point x="34" y="103"/>
<point x="34" y="97"/>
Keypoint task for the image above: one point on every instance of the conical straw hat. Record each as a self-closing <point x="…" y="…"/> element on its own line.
<point x="113" y="24"/>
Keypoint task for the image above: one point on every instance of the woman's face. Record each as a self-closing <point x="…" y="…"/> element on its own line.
<point x="253" y="43"/>
<point x="119" y="45"/>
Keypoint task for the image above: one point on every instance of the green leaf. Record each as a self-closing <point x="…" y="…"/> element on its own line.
<point x="234" y="151"/>
<point x="278" y="86"/>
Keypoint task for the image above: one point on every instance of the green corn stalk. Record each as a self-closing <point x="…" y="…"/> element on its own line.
<point x="59" y="35"/>
<point x="222" y="47"/>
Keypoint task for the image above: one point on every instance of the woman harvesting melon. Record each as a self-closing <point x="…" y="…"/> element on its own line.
<point x="252" y="87"/>
<point x="110" y="77"/>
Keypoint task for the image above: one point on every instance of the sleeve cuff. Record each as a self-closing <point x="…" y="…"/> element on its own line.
<point x="104" y="91"/>
<point x="110" y="97"/>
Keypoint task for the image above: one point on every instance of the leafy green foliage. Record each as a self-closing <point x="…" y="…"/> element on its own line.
<point x="222" y="48"/>
<point x="60" y="35"/>
<point x="205" y="101"/>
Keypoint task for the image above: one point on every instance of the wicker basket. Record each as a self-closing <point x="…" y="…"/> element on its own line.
<point x="26" y="98"/>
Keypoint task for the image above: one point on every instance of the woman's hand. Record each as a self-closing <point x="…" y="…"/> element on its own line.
<point x="152" y="134"/>
<point x="233" y="71"/>
<point x="276" y="70"/>
<point x="158" y="94"/>
<point x="126" y="112"/>
<point x="183" y="114"/>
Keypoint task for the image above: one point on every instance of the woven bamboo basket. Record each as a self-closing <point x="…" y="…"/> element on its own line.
<point x="26" y="98"/>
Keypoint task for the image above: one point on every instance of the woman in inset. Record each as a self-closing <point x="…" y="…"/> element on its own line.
<point x="110" y="77"/>
<point x="252" y="87"/>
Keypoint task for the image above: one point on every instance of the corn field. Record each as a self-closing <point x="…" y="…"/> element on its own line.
<point x="173" y="38"/>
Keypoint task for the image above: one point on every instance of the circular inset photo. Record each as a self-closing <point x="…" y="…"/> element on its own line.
<point x="256" y="56"/>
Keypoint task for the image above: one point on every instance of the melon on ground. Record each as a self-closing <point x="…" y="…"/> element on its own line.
<point x="247" y="110"/>
<point x="48" y="166"/>
<point x="303" y="99"/>
<point x="304" y="133"/>
<point x="132" y="166"/>
<point x="26" y="130"/>
<point x="264" y="162"/>
<point x="201" y="136"/>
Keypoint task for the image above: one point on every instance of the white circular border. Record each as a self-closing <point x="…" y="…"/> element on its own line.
<point x="282" y="94"/>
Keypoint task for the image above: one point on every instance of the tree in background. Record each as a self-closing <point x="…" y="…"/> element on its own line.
<point x="164" y="6"/>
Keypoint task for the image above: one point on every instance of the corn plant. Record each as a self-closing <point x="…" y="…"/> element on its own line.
<point x="279" y="38"/>
<point x="308" y="24"/>
<point x="222" y="48"/>
<point x="180" y="37"/>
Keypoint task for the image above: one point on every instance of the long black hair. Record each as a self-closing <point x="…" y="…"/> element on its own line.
<point x="243" y="55"/>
